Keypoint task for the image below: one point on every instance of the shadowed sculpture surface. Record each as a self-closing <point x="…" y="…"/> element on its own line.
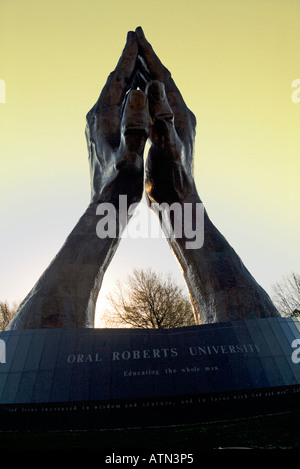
<point x="139" y="101"/>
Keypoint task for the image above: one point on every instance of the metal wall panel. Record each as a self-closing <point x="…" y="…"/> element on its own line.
<point x="81" y="365"/>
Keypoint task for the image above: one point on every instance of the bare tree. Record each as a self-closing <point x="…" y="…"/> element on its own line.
<point x="149" y="300"/>
<point x="6" y="313"/>
<point x="286" y="295"/>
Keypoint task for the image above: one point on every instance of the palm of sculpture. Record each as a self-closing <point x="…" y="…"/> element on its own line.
<point x="118" y="126"/>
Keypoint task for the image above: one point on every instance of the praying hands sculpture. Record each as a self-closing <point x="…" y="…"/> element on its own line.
<point x="139" y="101"/>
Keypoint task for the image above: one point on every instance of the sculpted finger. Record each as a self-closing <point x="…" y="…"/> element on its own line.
<point x="120" y="80"/>
<point x="163" y="133"/>
<point x="152" y="68"/>
<point x="135" y="114"/>
<point x="159" y="106"/>
<point x="151" y="63"/>
<point x="127" y="63"/>
<point x="168" y="174"/>
<point x="134" y="130"/>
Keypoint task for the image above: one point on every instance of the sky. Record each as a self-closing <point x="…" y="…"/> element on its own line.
<point x="234" y="61"/>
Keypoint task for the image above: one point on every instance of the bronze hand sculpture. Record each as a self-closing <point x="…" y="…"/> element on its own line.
<point x="117" y="130"/>
<point x="220" y="286"/>
<point x="140" y="99"/>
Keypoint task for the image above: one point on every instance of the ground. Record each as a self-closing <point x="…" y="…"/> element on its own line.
<point x="271" y="432"/>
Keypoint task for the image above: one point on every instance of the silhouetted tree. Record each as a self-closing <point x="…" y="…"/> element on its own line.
<point x="6" y="313"/>
<point x="149" y="300"/>
<point x="286" y="295"/>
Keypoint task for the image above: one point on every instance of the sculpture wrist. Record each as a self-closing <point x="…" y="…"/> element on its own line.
<point x="221" y="288"/>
